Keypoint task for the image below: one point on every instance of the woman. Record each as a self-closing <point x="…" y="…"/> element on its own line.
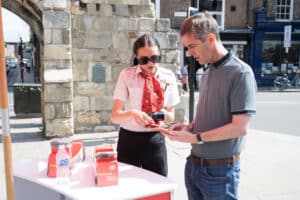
<point x="141" y="90"/>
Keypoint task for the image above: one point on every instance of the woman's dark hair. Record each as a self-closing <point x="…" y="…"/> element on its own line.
<point x="143" y="41"/>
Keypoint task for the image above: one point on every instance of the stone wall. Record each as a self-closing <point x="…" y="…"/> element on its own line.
<point x="57" y="76"/>
<point x="103" y="33"/>
<point x="86" y="45"/>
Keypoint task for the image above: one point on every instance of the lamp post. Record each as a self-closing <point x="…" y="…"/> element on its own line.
<point x="5" y="119"/>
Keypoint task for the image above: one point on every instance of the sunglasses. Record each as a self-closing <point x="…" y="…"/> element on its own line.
<point x="144" y="60"/>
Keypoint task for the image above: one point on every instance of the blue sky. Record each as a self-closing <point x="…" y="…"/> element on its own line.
<point x="14" y="27"/>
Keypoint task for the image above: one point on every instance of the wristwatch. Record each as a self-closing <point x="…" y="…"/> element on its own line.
<point x="199" y="139"/>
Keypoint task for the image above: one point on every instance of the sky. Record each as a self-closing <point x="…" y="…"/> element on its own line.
<point x="14" y="27"/>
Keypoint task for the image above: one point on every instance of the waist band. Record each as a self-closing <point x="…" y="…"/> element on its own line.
<point x="207" y="162"/>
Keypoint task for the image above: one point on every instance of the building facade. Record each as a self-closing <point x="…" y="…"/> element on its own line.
<point x="253" y="30"/>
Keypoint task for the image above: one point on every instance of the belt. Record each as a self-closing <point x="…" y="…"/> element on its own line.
<point x="207" y="162"/>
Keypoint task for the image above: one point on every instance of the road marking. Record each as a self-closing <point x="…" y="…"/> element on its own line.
<point x="278" y="102"/>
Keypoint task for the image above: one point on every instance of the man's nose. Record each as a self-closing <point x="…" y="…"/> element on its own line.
<point x="191" y="52"/>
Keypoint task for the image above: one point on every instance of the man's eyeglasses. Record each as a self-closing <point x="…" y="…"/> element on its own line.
<point x="144" y="60"/>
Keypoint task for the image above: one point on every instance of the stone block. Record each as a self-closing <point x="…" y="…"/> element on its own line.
<point x="57" y="36"/>
<point x="83" y="129"/>
<point x="75" y="10"/>
<point x="82" y="55"/>
<point x="66" y="36"/>
<point x="146" y="11"/>
<point x="147" y="24"/>
<point x="91" y="9"/>
<point x="173" y="39"/>
<point x="105" y="117"/>
<point x="57" y="64"/>
<point x="120" y="40"/>
<point x="110" y="88"/>
<point x="172" y="56"/>
<point x="49" y="110"/>
<point x="80" y="71"/>
<point x="163" y="39"/>
<point x="57" y="93"/>
<point x="125" y="24"/>
<point x="166" y="40"/>
<point x="121" y="10"/>
<point x="47" y="4"/>
<point x="63" y="110"/>
<point x="59" y="127"/>
<point x="98" y="40"/>
<point x="60" y="4"/>
<point x="105" y="55"/>
<point x="47" y="36"/>
<point x="81" y="103"/>
<point x="57" y="52"/>
<point x="90" y="89"/>
<point x="58" y="75"/>
<point x="88" y="118"/>
<point x="56" y="19"/>
<point x="103" y="24"/>
<point x="100" y="129"/>
<point x="101" y="103"/>
<point x="134" y="10"/>
<point x="116" y="70"/>
<point x="163" y="25"/>
<point x="106" y="10"/>
<point x="55" y="4"/>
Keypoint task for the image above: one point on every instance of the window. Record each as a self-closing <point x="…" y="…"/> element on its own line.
<point x="214" y="7"/>
<point x="284" y="10"/>
<point x="275" y="60"/>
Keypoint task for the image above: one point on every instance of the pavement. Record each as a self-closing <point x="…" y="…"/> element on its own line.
<point x="269" y="163"/>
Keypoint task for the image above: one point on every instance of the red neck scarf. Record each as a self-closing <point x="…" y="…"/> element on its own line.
<point x="153" y="95"/>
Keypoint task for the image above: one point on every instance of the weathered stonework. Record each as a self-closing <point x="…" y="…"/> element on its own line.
<point x="87" y="44"/>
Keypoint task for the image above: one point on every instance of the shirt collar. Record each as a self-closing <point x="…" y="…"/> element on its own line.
<point x="222" y="60"/>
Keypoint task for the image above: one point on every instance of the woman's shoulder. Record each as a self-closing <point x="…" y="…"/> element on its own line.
<point x="129" y="70"/>
<point x="165" y="72"/>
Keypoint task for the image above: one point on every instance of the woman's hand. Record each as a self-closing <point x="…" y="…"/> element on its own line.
<point x="141" y="118"/>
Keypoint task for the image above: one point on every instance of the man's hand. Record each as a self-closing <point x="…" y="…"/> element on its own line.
<point x="182" y="136"/>
<point x="180" y="127"/>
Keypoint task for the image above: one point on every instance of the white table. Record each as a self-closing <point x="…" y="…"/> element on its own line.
<point x="31" y="182"/>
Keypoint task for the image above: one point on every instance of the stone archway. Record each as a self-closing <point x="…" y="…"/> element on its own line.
<point x="31" y="13"/>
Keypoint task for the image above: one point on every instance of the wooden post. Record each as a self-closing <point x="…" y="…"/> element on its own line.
<point x="4" y="108"/>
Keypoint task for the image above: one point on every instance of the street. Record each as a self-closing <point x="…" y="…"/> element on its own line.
<point x="278" y="112"/>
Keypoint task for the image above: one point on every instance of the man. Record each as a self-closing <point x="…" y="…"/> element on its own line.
<point x="226" y="104"/>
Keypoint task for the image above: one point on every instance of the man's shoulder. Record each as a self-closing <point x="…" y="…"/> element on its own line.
<point x="239" y="66"/>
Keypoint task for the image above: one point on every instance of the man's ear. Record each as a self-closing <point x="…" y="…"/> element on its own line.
<point x="211" y="37"/>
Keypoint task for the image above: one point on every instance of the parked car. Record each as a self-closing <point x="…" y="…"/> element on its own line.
<point x="10" y="64"/>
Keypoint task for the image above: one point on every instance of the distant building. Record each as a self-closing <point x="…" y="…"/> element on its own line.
<point x="252" y="29"/>
<point x="10" y="50"/>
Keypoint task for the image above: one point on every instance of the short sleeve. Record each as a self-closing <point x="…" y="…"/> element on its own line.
<point x="121" y="90"/>
<point x="171" y="93"/>
<point x="243" y="94"/>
